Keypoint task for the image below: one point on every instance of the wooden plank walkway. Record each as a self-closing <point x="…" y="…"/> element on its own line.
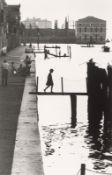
<point x="27" y="157"/>
<point x="59" y="93"/>
<point x="58" y="55"/>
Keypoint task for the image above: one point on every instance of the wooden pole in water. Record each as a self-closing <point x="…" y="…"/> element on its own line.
<point x="73" y="110"/>
<point x="70" y="52"/>
<point x="56" y="51"/>
<point x="83" y="167"/>
<point x="62" y="88"/>
<point x="37" y="83"/>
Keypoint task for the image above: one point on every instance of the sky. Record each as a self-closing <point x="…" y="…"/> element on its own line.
<point x="59" y="9"/>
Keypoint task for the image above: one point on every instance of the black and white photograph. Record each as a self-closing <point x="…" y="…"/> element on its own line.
<point x="55" y="87"/>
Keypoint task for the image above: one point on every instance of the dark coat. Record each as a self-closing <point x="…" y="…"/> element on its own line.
<point x="49" y="80"/>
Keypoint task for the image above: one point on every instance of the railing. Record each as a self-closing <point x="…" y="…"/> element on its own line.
<point x="62" y="92"/>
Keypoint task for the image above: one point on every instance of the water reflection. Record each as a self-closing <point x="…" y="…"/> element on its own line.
<point x="99" y="140"/>
<point x="90" y="142"/>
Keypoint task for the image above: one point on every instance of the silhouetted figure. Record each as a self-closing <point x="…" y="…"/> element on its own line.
<point x="21" y="70"/>
<point x="28" y="64"/>
<point x="30" y="45"/>
<point x="13" y="69"/>
<point x="34" y="54"/>
<point x="59" y="53"/>
<point x="49" y="82"/>
<point x="46" y="53"/>
<point x="5" y="68"/>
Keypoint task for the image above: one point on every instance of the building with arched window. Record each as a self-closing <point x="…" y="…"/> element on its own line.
<point x="90" y="30"/>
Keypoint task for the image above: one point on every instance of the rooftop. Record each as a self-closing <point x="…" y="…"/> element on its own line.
<point x="90" y="19"/>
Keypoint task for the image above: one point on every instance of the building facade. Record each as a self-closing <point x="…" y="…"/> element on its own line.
<point x="37" y="23"/>
<point x="13" y="23"/>
<point x="3" y="27"/>
<point x="90" y="30"/>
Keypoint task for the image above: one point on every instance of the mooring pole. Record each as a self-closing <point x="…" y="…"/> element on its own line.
<point x="73" y="110"/>
<point x="70" y="52"/>
<point x="37" y="83"/>
<point x="83" y="167"/>
<point x="56" y="52"/>
<point x="62" y="88"/>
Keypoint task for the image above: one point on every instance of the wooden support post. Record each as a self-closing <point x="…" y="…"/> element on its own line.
<point x="73" y="110"/>
<point x="37" y="84"/>
<point x="62" y="90"/>
<point x="83" y="167"/>
<point x="56" y="52"/>
<point x="70" y="53"/>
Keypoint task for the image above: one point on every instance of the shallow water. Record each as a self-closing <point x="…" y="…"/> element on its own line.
<point x="65" y="148"/>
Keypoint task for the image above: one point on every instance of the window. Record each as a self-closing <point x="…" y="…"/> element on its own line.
<point x="96" y="29"/>
<point x="79" y="29"/>
<point x="85" y="29"/>
<point x="85" y="37"/>
<point x="101" y="29"/>
<point x="80" y="38"/>
<point x="91" y="29"/>
<point x="101" y="38"/>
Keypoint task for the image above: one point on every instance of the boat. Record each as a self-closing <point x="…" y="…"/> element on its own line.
<point x="106" y="48"/>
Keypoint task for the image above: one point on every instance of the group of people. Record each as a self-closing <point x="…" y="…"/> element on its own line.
<point x="22" y="70"/>
<point x="5" y="69"/>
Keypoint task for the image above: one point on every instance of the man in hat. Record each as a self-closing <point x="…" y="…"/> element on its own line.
<point x="49" y="82"/>
<point x="5" y="68"/>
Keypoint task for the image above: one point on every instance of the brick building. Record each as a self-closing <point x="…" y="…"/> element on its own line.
<point x="90" y="30"/>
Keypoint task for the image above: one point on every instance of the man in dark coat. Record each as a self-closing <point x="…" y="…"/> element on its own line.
<point x="5" y="68"/>
<point x="49" y="82"/>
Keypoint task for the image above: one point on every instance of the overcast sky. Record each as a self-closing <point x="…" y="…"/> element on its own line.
<point x="59" y="9"/>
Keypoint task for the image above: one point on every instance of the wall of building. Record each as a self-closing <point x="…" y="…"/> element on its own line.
<point x="91" y="30"/>
<point x="49" y="35"/>
<point x="13" y="20"/>
<point x="37" y="23"/>
<point x="3" y="27"/>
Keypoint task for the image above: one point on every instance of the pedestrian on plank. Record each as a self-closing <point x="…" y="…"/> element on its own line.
<point x="5" y="68"/>
<point x="49" y="82"/>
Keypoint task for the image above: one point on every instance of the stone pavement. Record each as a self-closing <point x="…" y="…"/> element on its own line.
<point x="27" y="154"/>
<point x="20" y="150"/>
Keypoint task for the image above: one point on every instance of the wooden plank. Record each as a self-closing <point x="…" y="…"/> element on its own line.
<point x="57" y="55"/>
<point x="59" y="93"/>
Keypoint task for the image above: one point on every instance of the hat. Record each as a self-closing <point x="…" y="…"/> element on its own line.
<point x="91" y="60"/>
<point x="51" y="70"/>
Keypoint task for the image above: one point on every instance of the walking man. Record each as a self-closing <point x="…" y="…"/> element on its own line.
<point x="5" y="67"/>
<point x="49" y="82"/>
